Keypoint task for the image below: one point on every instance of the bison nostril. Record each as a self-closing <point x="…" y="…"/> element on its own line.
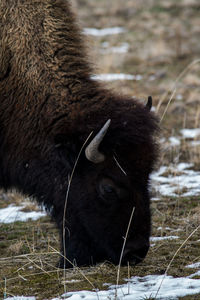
<point x="134" y="256"/>
<point x="131" y="258"/>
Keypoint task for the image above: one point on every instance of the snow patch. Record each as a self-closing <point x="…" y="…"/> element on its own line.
<point x="174" y="141"/>
<point x="106" y="49"/>
<point x="13" y="213"/>
<point x="104" y="31"/>
<point x="195" y="274"/>
<point x="190" y="133"/>
<point x="179" y="97"/>
<point x="194" y="266"/>
<point x="142" y="288"/>
<point x="163" y="238"/>
<point x="165" y="228"/>
<point x="20" y="298"/>
<point x="194" y="143"/>
<point x="114" y="77"/>
<point x="176" y="180"/>
<point x="186" y="134"/>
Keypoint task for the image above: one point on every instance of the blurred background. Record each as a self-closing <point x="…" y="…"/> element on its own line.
<point x="157" y="42"/>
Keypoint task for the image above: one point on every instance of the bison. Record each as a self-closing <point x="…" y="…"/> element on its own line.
<point x="56" y="120"/>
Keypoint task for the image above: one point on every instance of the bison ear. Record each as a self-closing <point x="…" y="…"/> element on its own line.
<point x="149" y="103"/>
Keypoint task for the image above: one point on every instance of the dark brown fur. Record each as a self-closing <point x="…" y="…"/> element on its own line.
<point x="49" y="106"/>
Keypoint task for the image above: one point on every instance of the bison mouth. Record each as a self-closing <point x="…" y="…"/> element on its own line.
<point x="133" y="256"/>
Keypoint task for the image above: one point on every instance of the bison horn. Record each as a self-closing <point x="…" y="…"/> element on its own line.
<point x="91" y="152"/>
<point x="149" y="103"/>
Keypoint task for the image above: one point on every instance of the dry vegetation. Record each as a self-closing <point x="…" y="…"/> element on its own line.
<point x="163" y="38"/>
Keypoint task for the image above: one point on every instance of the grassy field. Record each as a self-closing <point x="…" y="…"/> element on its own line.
<point x="162" y="41"/>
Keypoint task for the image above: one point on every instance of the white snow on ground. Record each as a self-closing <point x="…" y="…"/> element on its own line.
<point x="141" y="288"/>
<point x="20" y="298"/>
<point x="163" y="238"/>
<point x="194" y="266"/>
<point x="169" y="229"/>
<point x="194" y="143"/>
<point x="190" y="133"/>
<point x="192" y="137"/>
<point x="179" y="97"/>
<point x="106" y="49"/>
<point x="113" y="77"/>
<point x="104" y="31"/>
<point x="174" y="141"/>
<point x="154" y="239"/>
<point x="176" y="180"/>
<point x="193" y="275"/>
<point x="13" y="213"/>
<point x="165" y="228"/>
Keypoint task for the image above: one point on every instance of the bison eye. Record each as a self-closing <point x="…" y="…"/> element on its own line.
<point x="109" y="190"/>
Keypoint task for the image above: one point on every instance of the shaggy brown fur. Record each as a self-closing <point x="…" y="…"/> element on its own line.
<point x="49" y="105"/>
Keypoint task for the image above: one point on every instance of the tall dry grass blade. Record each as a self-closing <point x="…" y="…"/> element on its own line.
<point x="173" y="90"/>
<point x="37" y="266"/>
<point x="24" y="279"/>
<point x="124" y="243"/>
<point x="169" y="265"/>
<point x="117" y="163"/>
<point x="77" y="268"/>
<point x="168" y="104"/>
<point x="66" y="199"/>
<point x="24" y="266"/>
<point x="24" y="255"/>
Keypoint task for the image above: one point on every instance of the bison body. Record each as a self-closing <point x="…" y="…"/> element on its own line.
<point x="49" y="107"/>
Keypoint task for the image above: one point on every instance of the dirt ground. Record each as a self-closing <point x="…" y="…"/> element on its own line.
<point x="163" y="47"/>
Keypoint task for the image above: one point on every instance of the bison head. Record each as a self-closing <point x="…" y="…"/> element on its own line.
<point x="97" y="189"/>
